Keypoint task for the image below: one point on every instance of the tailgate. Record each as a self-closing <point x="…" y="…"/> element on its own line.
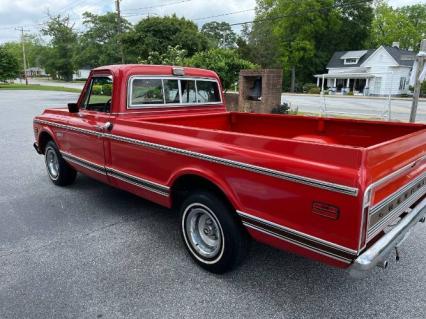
<point x="396" y="179"/>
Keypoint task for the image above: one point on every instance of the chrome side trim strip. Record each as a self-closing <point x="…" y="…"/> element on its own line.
<point x="127" y="178"/>
<point x="70" y="128"/>
<point x="248" y="218"/>
<point x="139" y="182"/>
<point x="300" y="244"/>
<point x="343" y="189"/>
<point x="252" y="168"/>
<point x="86" y="164"/>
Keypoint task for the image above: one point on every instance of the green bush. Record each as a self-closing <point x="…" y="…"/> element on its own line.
<point x="314" y="90"/>
<point x="102" y="89"/>
<point x="107" y="89"/>
<point x="96" y="89"/>
<point x="281" y="109"/>
<point x="351" y="93"/>
<point x="308" y="86"/>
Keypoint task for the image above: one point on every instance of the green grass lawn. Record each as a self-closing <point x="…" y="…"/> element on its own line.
<point x="37" y="87"/>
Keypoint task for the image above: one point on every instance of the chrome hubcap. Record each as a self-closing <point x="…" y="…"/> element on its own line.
<point x="52" y="163"/>
<point x="203" y="232"/>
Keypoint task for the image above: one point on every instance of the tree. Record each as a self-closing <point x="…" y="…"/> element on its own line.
<point x="156" y="34"/>
<point x="225" y="62"/>
<point x="35" y="50"/>
<point x="406" y="25"/>
<point x="220" y="34"/>
<point x="60" y="59"/>
<point x="173" y="56"/>
<point x="259" y="44"/>
<point x="99" y="44"/>
<point x="310" y="31"/>
<point x="9" y="67"/>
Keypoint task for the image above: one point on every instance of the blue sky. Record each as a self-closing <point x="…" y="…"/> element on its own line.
<point x="31" y="13"/>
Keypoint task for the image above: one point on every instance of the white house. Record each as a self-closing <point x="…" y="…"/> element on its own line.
<point x="81" y="74"/>
<point x="383" y="71"/>
<point x="35" y="72"/>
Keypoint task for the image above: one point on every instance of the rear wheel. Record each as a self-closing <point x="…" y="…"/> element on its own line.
<point x="212" y="233"/>
<point x="59" y="171"/>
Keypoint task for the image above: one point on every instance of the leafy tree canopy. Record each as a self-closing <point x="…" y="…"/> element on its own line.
<point x="99" y="44"/>
<point x="304" y="34"/>
<point x="173" y="56"/>
<point x="225" y="62"/>
<point x="63" y="45"/>
<point x="9" y="67"/>
<point x="156" y="34"/>
<point x="406" y="25"/>
<point x="35" y="50"/>
<point x="219" y="34"/>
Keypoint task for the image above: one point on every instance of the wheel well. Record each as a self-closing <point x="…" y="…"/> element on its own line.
<point x="43" y="140"/>
<point x="185" y="184"/>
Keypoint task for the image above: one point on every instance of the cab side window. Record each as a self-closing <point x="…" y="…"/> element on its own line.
<point x="99" y="96"/>
<point x="207" y="92"/>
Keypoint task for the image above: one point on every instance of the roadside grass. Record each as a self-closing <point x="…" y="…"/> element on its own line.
<point x="37" y="87"/>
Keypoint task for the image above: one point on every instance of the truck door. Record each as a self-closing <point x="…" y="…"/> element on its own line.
<point x="85" y="144"/>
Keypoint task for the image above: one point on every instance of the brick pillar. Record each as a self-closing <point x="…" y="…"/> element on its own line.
<point x="271" y="89"/>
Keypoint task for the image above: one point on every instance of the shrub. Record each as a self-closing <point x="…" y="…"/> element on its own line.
<point x="351" y="93"/>
<point x="102" y="89"/>
<point x="314" y="90"/>
<point x="97" y="89"/>
<point x="281" y="109"/>
<point x="308" y="86"/>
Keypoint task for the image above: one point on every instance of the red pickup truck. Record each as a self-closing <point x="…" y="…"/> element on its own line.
<point x="344" y="192"/>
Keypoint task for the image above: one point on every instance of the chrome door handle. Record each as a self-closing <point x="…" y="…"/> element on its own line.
<point x="105" y="127"/>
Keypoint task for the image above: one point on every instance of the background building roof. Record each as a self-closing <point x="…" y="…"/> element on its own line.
<point x="402" y="57"/>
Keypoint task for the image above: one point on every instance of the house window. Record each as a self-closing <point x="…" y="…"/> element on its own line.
<point x="402" y="84"/>
<point x="351" y="61"/>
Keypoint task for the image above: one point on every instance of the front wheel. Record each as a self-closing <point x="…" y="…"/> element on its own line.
<point x="212" y="232"/>
<point x="59" y="172"/>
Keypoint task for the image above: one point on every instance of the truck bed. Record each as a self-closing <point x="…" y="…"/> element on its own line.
<point x="345" y="132"/>
<point x="356" y="151"/>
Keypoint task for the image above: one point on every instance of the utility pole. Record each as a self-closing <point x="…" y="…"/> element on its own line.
<point x="119" y="42"/>
<point x="421" y="59"/>
<point x="23" y="52"/>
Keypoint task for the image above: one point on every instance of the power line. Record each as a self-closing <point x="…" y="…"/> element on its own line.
<point x="273" y="18"/>
<point x="224" y="14"/>
<point x="154" y="7"/>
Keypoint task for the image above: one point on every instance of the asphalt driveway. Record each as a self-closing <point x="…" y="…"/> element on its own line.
<point x="92" y="251"/>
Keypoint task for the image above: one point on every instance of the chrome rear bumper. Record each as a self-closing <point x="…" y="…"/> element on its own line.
<point x="380" y="251"/>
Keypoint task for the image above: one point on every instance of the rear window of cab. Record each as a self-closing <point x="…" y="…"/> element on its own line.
<point x="164" y="92"/>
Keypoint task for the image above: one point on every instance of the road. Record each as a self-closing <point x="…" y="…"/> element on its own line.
<point x="92" y="251"/>
<point x="400" y="108"/>
<point x="72" y="85"/>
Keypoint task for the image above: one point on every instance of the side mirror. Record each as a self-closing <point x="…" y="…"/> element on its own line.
<point x="73" y="107"/>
